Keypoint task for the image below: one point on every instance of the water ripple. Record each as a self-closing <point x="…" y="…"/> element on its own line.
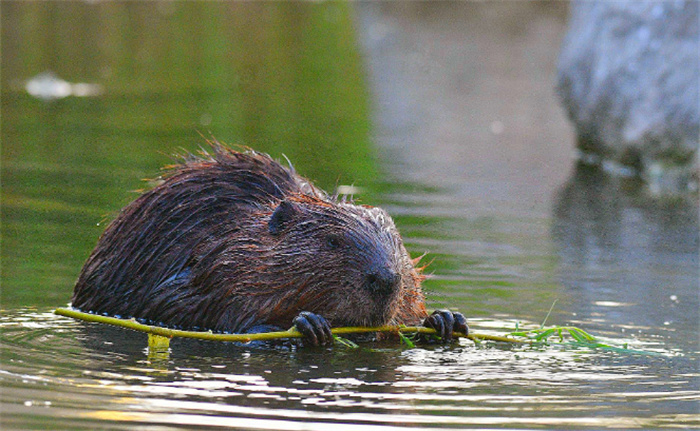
<point x="83" y="375"/>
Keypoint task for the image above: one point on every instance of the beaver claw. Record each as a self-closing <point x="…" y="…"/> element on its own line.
<point x="445" y="322"/>
<point x="315" y="329"/>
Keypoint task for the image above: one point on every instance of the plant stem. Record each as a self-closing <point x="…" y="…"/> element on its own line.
<point x="244" y="338"/>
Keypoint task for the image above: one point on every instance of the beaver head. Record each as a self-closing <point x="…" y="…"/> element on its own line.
<point x="344" y="261"/>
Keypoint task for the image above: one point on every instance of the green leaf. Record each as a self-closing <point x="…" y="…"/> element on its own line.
<point x="581" y="335"/>
<point x="545" y="334"/>
<point x="345" y="342"/>
<point x="519" y="334"/>
<point x="548" y="313"/>
<point x="407" y="341"/>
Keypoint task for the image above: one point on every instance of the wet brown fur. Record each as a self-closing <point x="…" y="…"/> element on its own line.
<point x="234" y="240"/>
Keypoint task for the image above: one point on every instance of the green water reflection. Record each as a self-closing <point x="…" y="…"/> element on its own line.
<point x="285" y="78"/>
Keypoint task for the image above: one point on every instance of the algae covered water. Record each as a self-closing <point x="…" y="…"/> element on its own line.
<point x="444" y="115"/>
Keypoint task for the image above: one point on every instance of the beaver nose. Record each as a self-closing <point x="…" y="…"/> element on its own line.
<point x="383" y="281"/>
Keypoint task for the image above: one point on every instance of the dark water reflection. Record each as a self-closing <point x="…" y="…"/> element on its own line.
<point x="443" y="113"/>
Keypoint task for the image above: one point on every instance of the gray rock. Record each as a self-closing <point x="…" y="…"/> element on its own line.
<point x="628" y="76"/>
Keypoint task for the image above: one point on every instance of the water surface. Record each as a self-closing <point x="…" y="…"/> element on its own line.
<point x="443" y="114"/>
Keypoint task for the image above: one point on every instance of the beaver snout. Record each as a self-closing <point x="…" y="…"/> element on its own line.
<point x="382" y="282"/>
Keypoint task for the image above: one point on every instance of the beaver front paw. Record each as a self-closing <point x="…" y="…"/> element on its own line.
<point x="315" y="329"/>
<point x="445" y="323"/>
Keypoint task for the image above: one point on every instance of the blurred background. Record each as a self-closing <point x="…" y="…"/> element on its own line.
<point x="444" y="113"/>
<point x="453" y="116"/>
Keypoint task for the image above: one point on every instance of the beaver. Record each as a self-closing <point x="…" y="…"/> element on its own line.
<point x="232" y="241"/>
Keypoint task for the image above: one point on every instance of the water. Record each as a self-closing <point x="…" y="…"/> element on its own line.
<point x="442" y="114"/>
<point x="62" y="374"/>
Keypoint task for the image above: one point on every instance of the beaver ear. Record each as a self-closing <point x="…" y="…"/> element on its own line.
<point x="284" y="213"/>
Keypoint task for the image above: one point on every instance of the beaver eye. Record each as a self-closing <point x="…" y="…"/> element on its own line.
<point x="333" y="242"/>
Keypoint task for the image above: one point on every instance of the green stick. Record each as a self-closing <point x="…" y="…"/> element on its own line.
<point x="159" y="337"/>
<point x="244" y="338"/>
